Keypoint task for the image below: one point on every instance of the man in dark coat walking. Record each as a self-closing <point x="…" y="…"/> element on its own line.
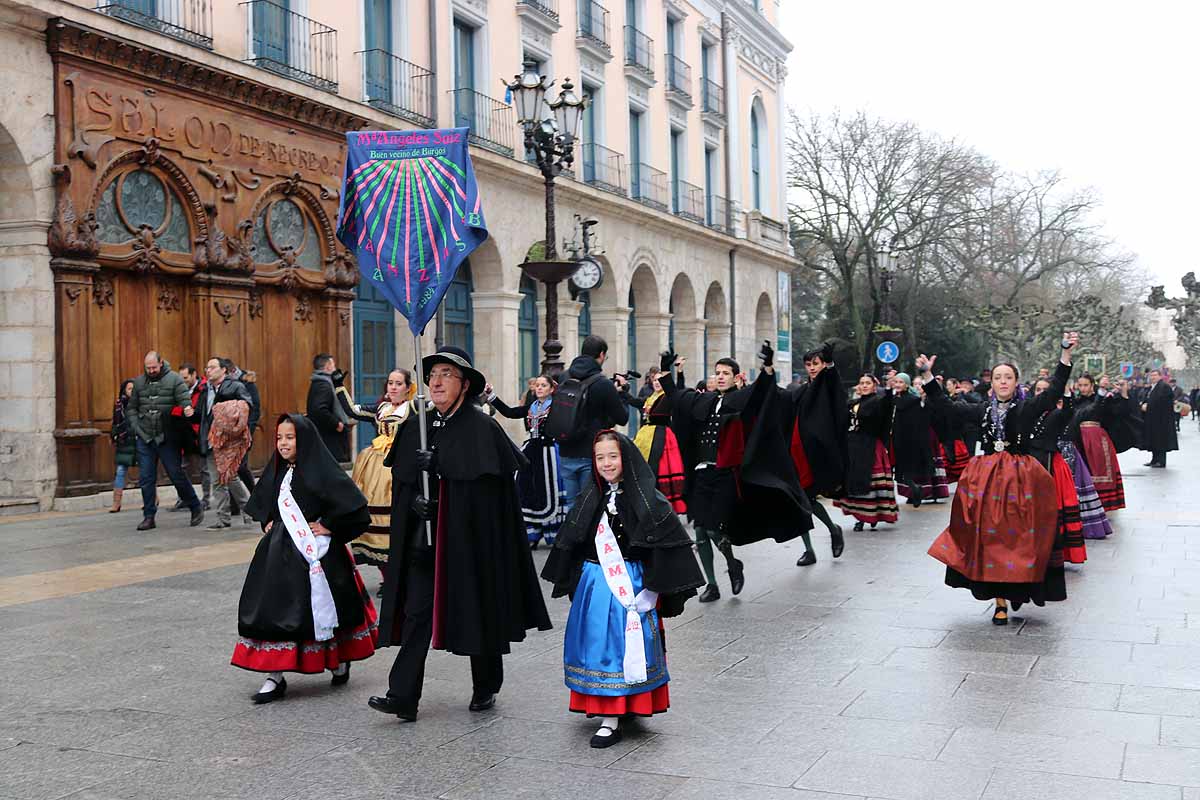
<point x="473" y="591"/>
<point x="323" y="407"/>
<point x="1159" y="431"/>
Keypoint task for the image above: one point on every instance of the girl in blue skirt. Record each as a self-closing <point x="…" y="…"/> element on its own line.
<point x="626" y="562"/>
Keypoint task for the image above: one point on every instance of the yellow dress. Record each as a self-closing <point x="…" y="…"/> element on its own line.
<point x="373" y="478"/>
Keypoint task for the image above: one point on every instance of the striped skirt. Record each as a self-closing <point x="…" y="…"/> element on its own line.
<point x="878" y="503"/>
<point x="1091" y="510"/>
<point x="1070" y="528"/>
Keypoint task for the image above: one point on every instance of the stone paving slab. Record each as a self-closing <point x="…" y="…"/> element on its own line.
<point x="862" y="678"/>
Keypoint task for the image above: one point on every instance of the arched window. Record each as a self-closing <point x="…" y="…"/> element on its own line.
<point x="755" y="156"/>
<point x="457" y="310"/>
<point x="140" y="198"/>
<point x="527" y="327"/>
<point x="285" y="226"/>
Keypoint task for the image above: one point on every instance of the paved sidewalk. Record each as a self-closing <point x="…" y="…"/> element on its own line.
<point x="860" y="678"/>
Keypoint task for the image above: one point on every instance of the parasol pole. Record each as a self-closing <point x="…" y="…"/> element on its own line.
<point x="420" y="370"/>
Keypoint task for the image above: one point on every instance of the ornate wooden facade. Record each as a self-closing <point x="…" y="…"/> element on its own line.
<point x="195" y="215"/>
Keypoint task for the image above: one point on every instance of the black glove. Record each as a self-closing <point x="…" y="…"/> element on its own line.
<point x="827" y="352"/>
<point x="666" y="360"/>
<point x="427" y="461"/>
<point x="767" y="354"/>
<point x="338" y="377"/>
<point x="424" y="507"/>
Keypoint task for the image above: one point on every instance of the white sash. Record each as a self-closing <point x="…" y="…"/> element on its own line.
<point x="312" y="547"/>
<point x="608" y="552"/>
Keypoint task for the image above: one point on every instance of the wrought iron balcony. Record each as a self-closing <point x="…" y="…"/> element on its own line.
<point x="547" y="7"/>
<point x="639" y="51"/>
<point x="493" y="123"/>
<point x="716" y="213"/>
<point x="187" y="20"/>
<point x="712" y="98"/>
<point x="679" y="78"/>
<point x="594" y="25"/>
<point x="688" y="201"/>
<point x="397" y="87"/>
<point x="291" y="45"/>
<point x="648" y="186"/>
<point x="603" y="168"/>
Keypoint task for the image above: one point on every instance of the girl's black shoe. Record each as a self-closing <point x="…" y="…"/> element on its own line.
<point x="275" y="694"/>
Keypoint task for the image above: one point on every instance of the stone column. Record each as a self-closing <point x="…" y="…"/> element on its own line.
<point x="653" y="331"/>
<point x="689" y="343"/>
<point x="780" y="155"/>
<point x="28" y="463"/>
<point x="718" y="343"/>
<point x="612" y="324"/>
<point x="733" y="131"/>
<point x="496" y="343"/>
<point x="568" y="328"/>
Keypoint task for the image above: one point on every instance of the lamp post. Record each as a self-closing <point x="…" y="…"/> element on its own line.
<point x="887" y="275"/>
<point x="552" y="141"/>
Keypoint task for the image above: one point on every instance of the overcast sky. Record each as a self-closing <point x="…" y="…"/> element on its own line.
<point x="1106" y="92"/>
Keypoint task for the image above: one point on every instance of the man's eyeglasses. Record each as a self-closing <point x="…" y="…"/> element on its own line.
<point x="444" y="374"/>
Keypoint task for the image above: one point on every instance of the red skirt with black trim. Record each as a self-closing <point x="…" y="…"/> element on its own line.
<point x="645" y="704"/>
<point x="670" y="470"/>
<point x="313" y="657"/>
<point x="955" y="468"/>
<point x="1070" y="524"/>
<point x="1101" y="457"/>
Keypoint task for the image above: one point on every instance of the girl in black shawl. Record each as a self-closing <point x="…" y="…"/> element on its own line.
<point x="277" y="615"/>
<point x="870" y="495"/>
<point x="625" y="522"/>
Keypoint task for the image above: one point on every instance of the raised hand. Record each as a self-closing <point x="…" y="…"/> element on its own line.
<point x="767" y="354"/>
<point x="665" y="359"/>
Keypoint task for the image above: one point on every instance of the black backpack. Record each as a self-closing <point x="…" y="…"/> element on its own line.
<point x="566" y="412"/>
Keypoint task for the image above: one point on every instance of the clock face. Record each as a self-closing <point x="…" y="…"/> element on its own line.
<point x="589" y="274"/>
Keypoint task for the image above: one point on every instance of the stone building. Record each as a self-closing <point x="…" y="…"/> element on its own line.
<point x="170" y="173"/>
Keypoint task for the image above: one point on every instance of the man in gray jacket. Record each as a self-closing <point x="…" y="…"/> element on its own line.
<point x="155" y="392"/>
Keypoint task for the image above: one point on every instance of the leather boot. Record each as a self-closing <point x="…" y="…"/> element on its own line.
<point x="116" y="506"/>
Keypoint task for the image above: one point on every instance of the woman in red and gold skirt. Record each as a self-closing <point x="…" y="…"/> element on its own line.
<point x="1005" y="539"/>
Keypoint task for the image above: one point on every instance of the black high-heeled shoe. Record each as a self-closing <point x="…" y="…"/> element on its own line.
<point x="997" y="619"/>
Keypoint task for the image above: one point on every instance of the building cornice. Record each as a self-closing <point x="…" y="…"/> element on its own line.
<point x="743" y="15"/>
<point x="68" y="38"/>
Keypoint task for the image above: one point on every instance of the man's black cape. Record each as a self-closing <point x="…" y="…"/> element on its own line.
<point x="771" y="504"/>
<point x="492" y="594"/>
<point x="911" y="450"/>
<point x="276" y="603"/>
<point x="1159" y="430"/>
<point x="822" y="419"/>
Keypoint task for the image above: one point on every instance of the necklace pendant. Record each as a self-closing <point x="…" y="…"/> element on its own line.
<point x="1001" y="445"/>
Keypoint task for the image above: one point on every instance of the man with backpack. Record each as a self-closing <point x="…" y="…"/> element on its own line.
<point x="585" y="403"/>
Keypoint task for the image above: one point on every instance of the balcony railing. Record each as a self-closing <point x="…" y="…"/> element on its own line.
<point x="291" y="45"/>
<point x="603" y="168"/>
<point x="593" y="23"/>
<point x="187" y="20"/>
<point x="639" y="50"/>
<point x="712" y="98"/>
<point x="688" y="201"/>
<point x="547" y="7"/>
<point x="716" y="212"/>
<point x="648" y="186"/>
<point x="398" y="87"/>
<point x="493" y="123"/>
<point x="679" y="77"/>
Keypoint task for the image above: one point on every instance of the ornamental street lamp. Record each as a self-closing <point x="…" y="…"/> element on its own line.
<point x="552" y="142"/>
<point x="887" y="274"/>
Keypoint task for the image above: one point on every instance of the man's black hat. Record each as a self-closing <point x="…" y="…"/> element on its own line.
<point x="456" y="357"/>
